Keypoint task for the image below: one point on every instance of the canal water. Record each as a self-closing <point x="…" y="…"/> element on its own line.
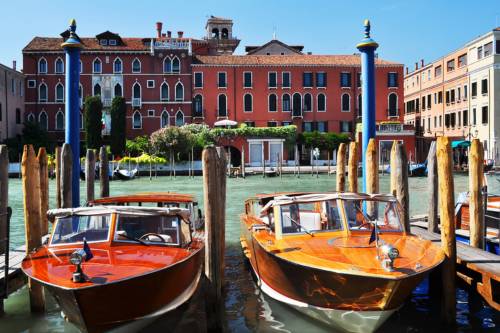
<point x="247" y="309"/>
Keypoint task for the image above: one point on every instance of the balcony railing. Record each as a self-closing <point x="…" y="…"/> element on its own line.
<point x="136" y="102"/>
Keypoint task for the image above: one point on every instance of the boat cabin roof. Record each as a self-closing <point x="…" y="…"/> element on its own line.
<point x="145" y="197"/>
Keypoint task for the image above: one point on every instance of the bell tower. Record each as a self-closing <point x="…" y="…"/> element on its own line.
<point x="219" y="34"/>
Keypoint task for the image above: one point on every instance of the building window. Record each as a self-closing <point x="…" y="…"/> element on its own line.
<point x="59" y="66"/>
<point x="42" y="66"/>
<point x="438" y="71"/>
<point x="136" y="94"/>
<point x="117" y="66"/>
<point x="474" y="89"/>
<point x="221" y="80"/>
<point x="488" y="49"/>
<point x="307" y="126"/>
<point x="453" y="120"/>
<point x="346" y="103"/>
<point x="167" y="65"/>
<point x="1" y="113"/>
<point x="164" y="95"/>
<point x="307" y="81"/>
<point x="423" y="103"/>
<point x="250" y="123"/>
<point x="31" y="118"/>
<point x="360" y="105"/>
<point x="164" y="121"/>
<point x="447" y="120"/>
<point x="459" y="94"/>
<point x="285" y="77"/>
<point x="179" y="118"/>
<point x="484" y="115"/>
<point x="176" y="68"/>
<point x="136" y="66"/>
<point x="440" y="97"/>
<point x="198" y="80"/>
<point x="151" y="113"/>
<point x="31" y="83"/>
<point x="81" y="66"/>
<point x="59" y="93"/>
<point x="112" y="42"/>
<point x="450" y="65"/>
<point x="285" y="103"/>
<point x="392" y="80"/>
<point x="345" y="126"/>
<point x="103" y="42"/>
<point x="358" y="79"/>
<point x="465" y="92"/>
<point x="222" y="106"/>
<point x="97" y="89"/>
<point x="465" y="118"/>
<point x="80" y="94"/>
<point x="118" y="90"/>
<point x="248" y="103"/>
<point x="297" y="105"/>
<point x="484" y="86"/>
<point x="179" y="92"/>
<point x="137" y="120"/>
<point x="272" y="80"/>
<point x="307" y="102"/>
<point x="97" y="66"/>
<point x="447" y="97"/>
<point x="474" y="119"/>
<point x="273" y="103"/>
<point x="345" y="80"/>
<point x="286" y="123"/>
<point x="272" y="124"/>
<point x="43" y="120"/>
<point x="59" y="120"/>
<point x="18" y="115"/>
<point x="247" y="79"/>
<point x="462" y="60"/>
<point x="198" y="106"/>
<point x="321" y="80"/>
<point x="150" y="83"/>
<point x="480" y="52"/>
<point x="42" y="93"/>
<point x="322" y="126"/>
<point x="452" y="95"/>
<point x="393" y="105"/>
<point x="321" y="103"/>
<point x="429" y="101"/>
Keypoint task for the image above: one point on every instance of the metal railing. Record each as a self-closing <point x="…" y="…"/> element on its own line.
<point x="136" y="102"/>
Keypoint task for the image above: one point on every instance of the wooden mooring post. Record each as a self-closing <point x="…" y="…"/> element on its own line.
<point x="328" y="168"/>
<point x="243" y="161"/>
<point x="447" y="206"/>
<point x="371" y="175"/>
<point x="214" y="195"/>
<point x="432" y="188"/>
<point x="90" y="174"/>
<point x="44" y="190"/>
<point x="399" y="180"/>
<point x="353" y="167"/>
<point x="476" y="211"/>
<point x="30" y="170"/>
<point x="4" y="203"/>
<point x="66" y="176"/>
<point x="341" y="152"/>
<point x="104" y="172"/>
<point x="58" y="177"/>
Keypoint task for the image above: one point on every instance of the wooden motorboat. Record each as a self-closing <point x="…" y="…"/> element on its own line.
<point x="341" y="258"/>
<point x="145" y="261"/>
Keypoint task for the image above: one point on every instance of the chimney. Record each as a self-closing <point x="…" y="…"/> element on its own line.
<point x="180" y="34"/>
<point x="163" y="35"/>
<point x="407" y="70"/>
<point x="159" y="26"/>
<point x="416" y="65"/>
<point x="13" y="64"/>
<point x="309" y="53"/>
<point x="169" y="34"/>
<point x="421" y="62"/>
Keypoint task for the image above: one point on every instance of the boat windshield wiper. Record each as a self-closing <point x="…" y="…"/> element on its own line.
<point x="301" y="227"/>
<point x="134" y="239"/>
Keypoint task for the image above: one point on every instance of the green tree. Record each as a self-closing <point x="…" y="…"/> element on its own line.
<point x="93" y="122"/>
<point x="34" y="135"/>
<point x="118" y="123"/>
<point x="138" y="146"/>
<point x="178" y="139"/>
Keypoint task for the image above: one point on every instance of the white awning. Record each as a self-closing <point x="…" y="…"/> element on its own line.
<point x="225" y="122"/>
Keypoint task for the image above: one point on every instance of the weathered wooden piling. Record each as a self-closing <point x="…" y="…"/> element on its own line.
<point x="4" y="202"/>
<point x="30" y="170"/>
<point x="447" y="206"/>
<point x="432" y="189"/>
<point x="90" y="174"/>
<point x="44" y="190"/>
<point x="399" y="180"/>
<point x="328" y="168"/>
<point x="371" y="175"/>
<point x="243" y="161"/>
<point x="214" y="195"/>
<point x="297" y="160"/>
<point x="476" y="211"/>
<point x="353" y="167"/>
<point x="58" y="177"/>
<point x="341" y="152"/>
<point x="104" y="172"/>
<point x="66" y="176"/>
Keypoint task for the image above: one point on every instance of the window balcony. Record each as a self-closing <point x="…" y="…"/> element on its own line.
<point x="136" y="102"/>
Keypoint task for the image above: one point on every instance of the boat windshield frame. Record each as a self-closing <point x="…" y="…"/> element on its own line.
<point x="51" y="244"/>
<point x="171" y="244"/>
<point x="363" y="201"/>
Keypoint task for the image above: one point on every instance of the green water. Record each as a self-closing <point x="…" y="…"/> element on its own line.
<point x="246" y="308"/>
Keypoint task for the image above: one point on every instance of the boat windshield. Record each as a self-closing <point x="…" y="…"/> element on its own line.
<point x="73" y="229"/>
<point x="363" y="214"/>
<point x="310" y="217"/>
<point x="154" y="229"/>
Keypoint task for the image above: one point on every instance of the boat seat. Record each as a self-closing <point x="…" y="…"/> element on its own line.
<point x="153" y="238"/>
<point x="310" y="220"/>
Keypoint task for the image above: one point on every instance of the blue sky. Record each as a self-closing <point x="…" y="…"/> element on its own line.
<point x="406" y="30"/>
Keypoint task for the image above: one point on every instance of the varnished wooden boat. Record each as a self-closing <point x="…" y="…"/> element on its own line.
<point x="146" y="261"/>
<point x="322" y="255"/>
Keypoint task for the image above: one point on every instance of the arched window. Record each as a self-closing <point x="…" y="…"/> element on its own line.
<point x="215" y="33"/>
<point x="179" y="118"/>
<point x="59" y="120"/>
<point x="136" y="66"/>
<point x="321" y="102"/>
<point x="273" y="107"/>
<point x="297" y="105"/>
<point x="31" y="118"/>
<point x="307" y="102"/>
<point x="117" y="66"/>
<point x="42" y="93"/>
<point x="164" y="91"/>
<point x="118" y="90"/>
<point x="248" y="103"/>
<point x="285" y="104"/>
<point x="165" y="121"/>
<point x="42" y="120"/>
<point x="179" y="92"/>
<point x="137" y="120"/>
<point x="360" y="105"/>
<point x="97" y="66"/>
<point x="346" y="103"/>
<point x="167" y="65"/>
<point x="59" y="93"/>
<point x="393" y="105"/>
<point x="222" y="106"/>
<point x="224" y="33"/>
<point x="136" y="91"/>
<point x="198" y="106"/>
<point x="176" y="65"/>
<point x="80" y="94"/>
<point x="42" y="66"/>
<point x="59" y="66"/>
<point x="97" y="89"/>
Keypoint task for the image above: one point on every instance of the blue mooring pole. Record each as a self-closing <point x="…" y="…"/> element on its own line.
<point x="72" y="47"/>
<point x="367" y="48"/>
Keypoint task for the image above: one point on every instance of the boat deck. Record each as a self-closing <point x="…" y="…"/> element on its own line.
<point x="479" y="269"/>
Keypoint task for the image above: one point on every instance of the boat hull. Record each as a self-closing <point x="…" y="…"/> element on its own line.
<point x="107" y="306"/>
